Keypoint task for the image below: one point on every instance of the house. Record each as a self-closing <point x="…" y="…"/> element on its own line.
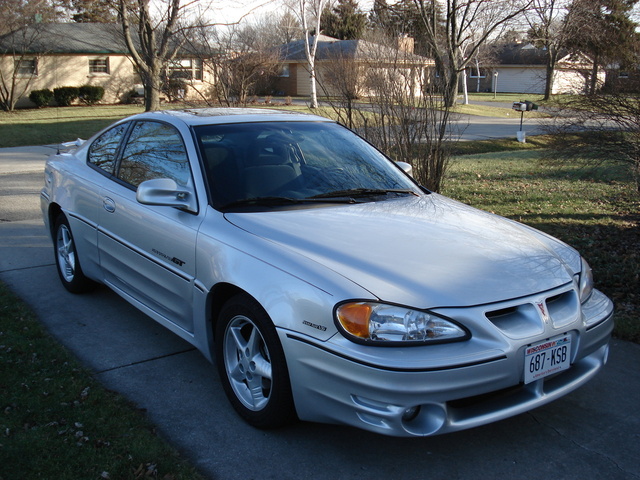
<point x="339" y="62"/>
<point x="521" y="68"/>
<point x="51" y="55"/>
<point x="622" y="79"/>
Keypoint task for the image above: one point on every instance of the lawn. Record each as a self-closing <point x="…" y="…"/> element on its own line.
<point x="59" y="423"/>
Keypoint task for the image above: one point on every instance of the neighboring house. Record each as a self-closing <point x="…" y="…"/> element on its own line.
<point x="338" y="60"/>
<point x="51" y="55"/>
<point x="521" y="68"/>
<point x="623" y="79"/>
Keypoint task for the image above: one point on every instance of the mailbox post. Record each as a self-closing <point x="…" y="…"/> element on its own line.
<point x="522" y="107"/>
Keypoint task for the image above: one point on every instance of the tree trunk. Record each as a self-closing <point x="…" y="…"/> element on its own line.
<point x="465" y="89"/>
<point x="450" y="92"/>
<point x="552" y="61"/>
<point x="314" y="90"/>
<point x="594" y="77"/>
<point x="548" y="84"/>
<point x="152" y="93"/>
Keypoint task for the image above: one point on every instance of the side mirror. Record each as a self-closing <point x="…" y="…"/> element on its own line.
<point x="166" y="192"/>
<point x="406" y="168"/>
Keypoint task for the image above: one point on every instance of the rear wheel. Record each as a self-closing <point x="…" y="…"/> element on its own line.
<point x="67" y="261"/>
<point x="252" y="365"/>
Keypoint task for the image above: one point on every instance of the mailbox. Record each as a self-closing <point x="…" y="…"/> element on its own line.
<point x="525" y="106"/>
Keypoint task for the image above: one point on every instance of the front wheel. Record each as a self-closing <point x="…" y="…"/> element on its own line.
<point x="67" y="261"/>
<point x="252" y="365"/>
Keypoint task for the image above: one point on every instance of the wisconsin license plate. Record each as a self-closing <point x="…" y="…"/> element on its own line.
<point x="546" y="358"/>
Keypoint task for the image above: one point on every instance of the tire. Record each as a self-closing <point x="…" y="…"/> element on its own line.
<point x="67" y="260"/>
<point x="252" y="365"/>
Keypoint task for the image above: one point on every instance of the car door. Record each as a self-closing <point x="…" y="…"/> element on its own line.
<point x="147" y="253"/>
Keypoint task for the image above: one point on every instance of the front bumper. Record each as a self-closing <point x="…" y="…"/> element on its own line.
<point x="332" y="387"/>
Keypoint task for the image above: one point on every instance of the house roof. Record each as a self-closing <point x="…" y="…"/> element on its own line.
<point x="331" y="48"/>
<point x="75" y="38"/>
<point x="521" y="54"/>
<point x="87" y="38"/>
<point x="528" y="54"/>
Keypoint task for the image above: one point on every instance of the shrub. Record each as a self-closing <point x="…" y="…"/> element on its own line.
<point x="65" y="95"/>
<point x="41" y="98"/>
<point x="90" y="94"/>
<point x="175" y="89"/>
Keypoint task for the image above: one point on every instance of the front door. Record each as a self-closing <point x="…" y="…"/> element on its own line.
<point x="147" y="253"/>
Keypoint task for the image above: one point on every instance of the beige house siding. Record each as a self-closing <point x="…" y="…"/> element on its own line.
<point x="575" y="81"/>
<point x="57" y="70"/>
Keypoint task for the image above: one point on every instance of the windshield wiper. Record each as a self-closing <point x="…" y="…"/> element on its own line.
<point x="280" y="201"/>
<point x="363" y="192"/>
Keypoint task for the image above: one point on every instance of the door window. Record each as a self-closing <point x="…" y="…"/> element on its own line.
<point x="154" y="150"/>
<point x="102" y="152"/>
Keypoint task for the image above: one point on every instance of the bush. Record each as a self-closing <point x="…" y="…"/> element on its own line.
<point x="65" y="95"/>
<point x="41" y="98"/>
<point x="175" y="89"/>
<point x="90" y="94"/>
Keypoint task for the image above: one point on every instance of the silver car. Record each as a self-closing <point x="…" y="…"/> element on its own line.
<point x="324" y="283"/>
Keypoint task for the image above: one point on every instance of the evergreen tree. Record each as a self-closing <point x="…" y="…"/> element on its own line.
<point x="93" y="11"/>
<point x="603" y="30"/>
<point x="343" y="21"/>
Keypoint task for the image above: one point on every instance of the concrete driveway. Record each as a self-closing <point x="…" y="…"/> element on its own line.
<point x="591" y="433"/>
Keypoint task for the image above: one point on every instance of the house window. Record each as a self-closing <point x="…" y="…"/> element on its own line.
<point x="474" y="73"/>
<point x="623" y="74"/>
<point x="26" y="67"/>
<point x="99" y="65"/>
<point x="285" y="72"/>
<point x="188" y="69"/>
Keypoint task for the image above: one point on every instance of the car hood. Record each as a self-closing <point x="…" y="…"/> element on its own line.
<point x="426" y="251"/>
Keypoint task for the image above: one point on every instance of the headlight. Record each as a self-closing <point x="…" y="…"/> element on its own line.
<point x="392" y="324"/>
<point x="585" y="282"/>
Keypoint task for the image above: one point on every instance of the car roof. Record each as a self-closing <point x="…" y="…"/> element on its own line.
<point x="209" y="116"/>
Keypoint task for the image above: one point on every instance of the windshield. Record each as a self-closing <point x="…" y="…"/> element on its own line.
<point x="296" y="162"/>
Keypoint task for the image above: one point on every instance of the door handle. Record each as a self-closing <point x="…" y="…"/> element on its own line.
<point x="108" y="204"/>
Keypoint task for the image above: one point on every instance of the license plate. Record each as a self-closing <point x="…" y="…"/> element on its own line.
<point x="546" y="358"/>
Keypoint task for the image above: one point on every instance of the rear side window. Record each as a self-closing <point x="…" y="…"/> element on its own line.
<point x="154" y="150"/>
<point x="102" y="152"/>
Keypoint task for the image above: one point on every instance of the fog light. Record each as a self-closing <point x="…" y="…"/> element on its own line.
<point x="410" y="413"/>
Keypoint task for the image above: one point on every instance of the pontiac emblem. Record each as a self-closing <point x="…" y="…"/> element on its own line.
<point x="543" y="312"/>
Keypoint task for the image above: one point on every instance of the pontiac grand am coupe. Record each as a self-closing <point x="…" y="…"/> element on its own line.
<point x="322" y="280"/>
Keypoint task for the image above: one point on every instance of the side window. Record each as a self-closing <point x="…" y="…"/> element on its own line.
<point x="154" y="150"/>
<point x="102" y="152"/>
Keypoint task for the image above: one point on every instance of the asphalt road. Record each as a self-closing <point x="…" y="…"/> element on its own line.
<point x="591" y="433"/>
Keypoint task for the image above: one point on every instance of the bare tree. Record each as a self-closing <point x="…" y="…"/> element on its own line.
<point x="18" y="64"/>
<point x="311" y="10"/>
<point x="252" y="66"/>
<point x="343" y="81"/>
<point x="400" y="109"/>
<point x="549" y="29"/>
<point x="465" y="26"/>
<point x="153" y="39"/>
<point x="16" y="14"/>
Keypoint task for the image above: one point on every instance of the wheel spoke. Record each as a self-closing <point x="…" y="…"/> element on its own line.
<point x="238" y="339"/>
<point x="247" y="363"/>
<point x="66" y="253"/>
<point x="262" y="368"/>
